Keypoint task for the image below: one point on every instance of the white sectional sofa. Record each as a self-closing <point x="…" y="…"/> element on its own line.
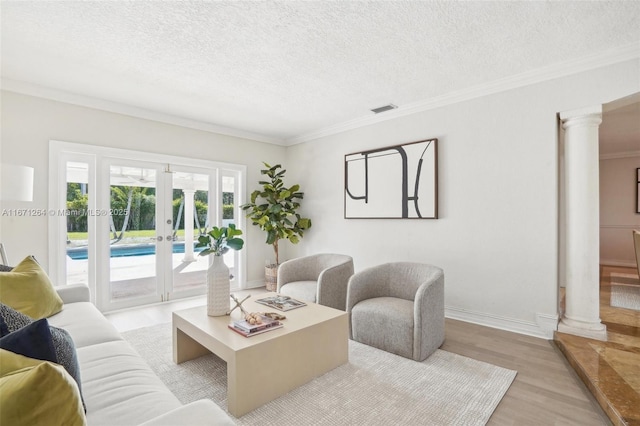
<point x="118" y="386"/>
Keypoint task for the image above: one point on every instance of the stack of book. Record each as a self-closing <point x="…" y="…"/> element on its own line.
<point x="247" y="330"/>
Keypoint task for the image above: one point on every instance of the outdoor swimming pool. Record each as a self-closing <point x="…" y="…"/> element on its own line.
<point x="80" y="253"/>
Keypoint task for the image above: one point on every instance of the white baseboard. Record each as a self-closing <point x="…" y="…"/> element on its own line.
<point x="543" y="328"/>
<point x="613" y="262"/>
<point x="254" y="284"/>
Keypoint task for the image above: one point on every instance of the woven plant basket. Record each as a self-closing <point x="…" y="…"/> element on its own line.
<point x="271" y="277"/>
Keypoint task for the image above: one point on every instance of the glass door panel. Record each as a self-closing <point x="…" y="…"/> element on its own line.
<point x="191" y="213"/>
<point x="134" y="244"/>
<point x="76" y="213"/>
<point x="229" y="189"/>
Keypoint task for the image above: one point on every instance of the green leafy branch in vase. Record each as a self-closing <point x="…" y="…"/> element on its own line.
<point x="218" y="241"/>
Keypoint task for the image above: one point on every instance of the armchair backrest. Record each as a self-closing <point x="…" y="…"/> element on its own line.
<point x="309" y="268"/>
<point x="404" y="278"/>
<point x="329" y="260"/>
<point x="316" y="263"/>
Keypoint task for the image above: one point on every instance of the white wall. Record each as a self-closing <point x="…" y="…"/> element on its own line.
<point x="497" y="235"/>
<point x="618" y="215"/>
<point x="28" y="123"/>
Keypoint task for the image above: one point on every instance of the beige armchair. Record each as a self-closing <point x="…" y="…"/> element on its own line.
<point x="399" y="308"/>
<point x="320" y="278"/>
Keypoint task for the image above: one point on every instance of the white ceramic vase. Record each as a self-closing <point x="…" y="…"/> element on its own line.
<point x="218" y="288"/>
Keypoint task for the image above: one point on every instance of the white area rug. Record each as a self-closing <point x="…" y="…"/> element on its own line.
<point x="625" y="291"/>
<point x="625" y="296"/>
<point x="373" y="388"/>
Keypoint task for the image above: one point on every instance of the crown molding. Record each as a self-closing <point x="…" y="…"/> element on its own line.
<point x="30" y="89"/>
<point x="586" y="63"/>
<point x="621" y="54"/>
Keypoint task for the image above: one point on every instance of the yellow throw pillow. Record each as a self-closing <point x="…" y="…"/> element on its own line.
<point x="27" y="289"/>
<point x="35" y="392"/>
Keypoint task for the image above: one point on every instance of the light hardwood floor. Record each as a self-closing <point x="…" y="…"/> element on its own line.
<point x="546" y="390"/>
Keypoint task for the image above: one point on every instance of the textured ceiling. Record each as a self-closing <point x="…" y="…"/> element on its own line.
<point x="287" y="69"/>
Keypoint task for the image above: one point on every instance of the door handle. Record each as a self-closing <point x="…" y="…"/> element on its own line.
<point x="159" y="238"/>
<point x="169" y="237"/>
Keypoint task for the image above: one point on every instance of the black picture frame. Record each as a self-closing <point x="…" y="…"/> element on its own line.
<point x="638" y="190"/>
<point x="393" y="182"/>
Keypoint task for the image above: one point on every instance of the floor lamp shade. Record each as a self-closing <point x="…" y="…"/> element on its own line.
<point x="16" y="182"/>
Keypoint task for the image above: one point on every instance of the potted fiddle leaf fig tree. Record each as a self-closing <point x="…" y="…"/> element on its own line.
<point x="274" y="208"/>
<point x="218" y="241"/>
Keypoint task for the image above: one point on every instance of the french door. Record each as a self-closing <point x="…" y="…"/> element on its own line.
<point x="136" y="223"/>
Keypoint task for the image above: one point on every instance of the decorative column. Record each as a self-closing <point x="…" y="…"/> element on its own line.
<point x="188" y="225"/>
<point x="582" y="223"/>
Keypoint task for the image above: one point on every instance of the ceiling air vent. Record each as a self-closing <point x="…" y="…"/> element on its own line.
<point x="384" y="108"/>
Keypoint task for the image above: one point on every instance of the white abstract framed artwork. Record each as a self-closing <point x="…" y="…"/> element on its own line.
<point x="394" y="182"/>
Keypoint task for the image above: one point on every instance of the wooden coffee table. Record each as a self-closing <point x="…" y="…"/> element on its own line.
<point x="261" y="368"/>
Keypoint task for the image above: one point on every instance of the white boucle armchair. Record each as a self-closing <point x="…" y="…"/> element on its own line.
<point x="319" y="278"/>
<point x="399" y="308"/>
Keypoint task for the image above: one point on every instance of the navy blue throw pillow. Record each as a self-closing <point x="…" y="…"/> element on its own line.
<point x="65" y="349"/>
<point x="33" y="341"/>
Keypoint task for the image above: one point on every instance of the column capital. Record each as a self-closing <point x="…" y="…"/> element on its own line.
<point x="588" y="116"/>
